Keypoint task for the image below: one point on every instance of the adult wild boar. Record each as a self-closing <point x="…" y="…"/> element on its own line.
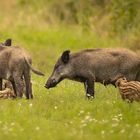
<point x="95" y="65"/>
<point x="15" y="65"/>
<point x="8" y="42"/>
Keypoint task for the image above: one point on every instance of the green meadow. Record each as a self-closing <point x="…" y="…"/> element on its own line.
<point x="63" y="113"/>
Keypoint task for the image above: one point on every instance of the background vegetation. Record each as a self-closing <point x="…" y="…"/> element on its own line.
<point x="46" y="28"/>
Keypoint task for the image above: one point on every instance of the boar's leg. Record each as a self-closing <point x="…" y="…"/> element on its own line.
<point x="27" y="77"/>
<point x="0" y="83"/>
<point x="31" y="95"/>
<point x="89" y="87"/>
<point x="18" y="86"/>
<point x="14" y="87"/>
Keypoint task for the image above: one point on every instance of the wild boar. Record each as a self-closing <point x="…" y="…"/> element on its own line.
<point x="15" y="66"/>
<point x="8" y="42"/>
<point x="129" y="91"/>
<point x="95" y="65"/>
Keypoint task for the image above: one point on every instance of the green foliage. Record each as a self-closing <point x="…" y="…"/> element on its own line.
<point x="125" y="15"/>
<point x="109" y="16"/>
<point x="46" y="28"/>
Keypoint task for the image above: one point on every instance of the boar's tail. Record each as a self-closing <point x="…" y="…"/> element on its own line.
<point x="33" y="69"/>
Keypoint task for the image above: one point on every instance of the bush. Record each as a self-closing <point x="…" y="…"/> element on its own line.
<point x="125" y="15"/>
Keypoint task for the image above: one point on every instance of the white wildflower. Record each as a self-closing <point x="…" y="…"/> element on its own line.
<point x="21" y="129"/>
<point x="107" y="102"/>
<point x="137" y="125"/>
<point x="19" y="104"/>
<point x="66" y="124"/>
<point x="115" y="119"/>
<point x="55" y="107"/>
<point x="37" y="128"/>
<point x="71" y="122"/>
<point x="127" y="125"/>
<point x="94" y="120"/>
<point x="84" y="124"/>
<point x="83" y="121"/>
<point x="81" y="111"/>
<point x="122" y="131"/>
<point x="88" y="113"/>
<point x="12" y="124"/>
<point x="120" y="115"/>
<point x="120" y="118"/>
<point x="102" y="132"/>
<point x="61" y="101"/>
<point x="90" y="120"/>
<point x="111" y="131"/>
<point x="87" y="117"/>
<point x="114" y="124"/>
<point x="30" y="104"/>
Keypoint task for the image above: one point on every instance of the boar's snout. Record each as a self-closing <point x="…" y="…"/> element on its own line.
<point x="50" y="83"/>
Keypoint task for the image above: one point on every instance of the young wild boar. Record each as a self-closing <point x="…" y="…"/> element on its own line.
<point x="15" y="66"/>
<point x="7" y="91"/>
<point x="129" y="90"/>
<point x="95" y="65"/>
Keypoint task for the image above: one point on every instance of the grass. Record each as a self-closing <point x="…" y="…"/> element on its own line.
<point x="63" y="113"/>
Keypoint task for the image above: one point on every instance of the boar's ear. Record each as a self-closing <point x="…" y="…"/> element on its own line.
<point x="65" y="56"/>
<point x="8" y="42"/>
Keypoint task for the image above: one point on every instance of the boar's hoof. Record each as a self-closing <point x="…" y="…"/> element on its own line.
<point x="90" y="96"/>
